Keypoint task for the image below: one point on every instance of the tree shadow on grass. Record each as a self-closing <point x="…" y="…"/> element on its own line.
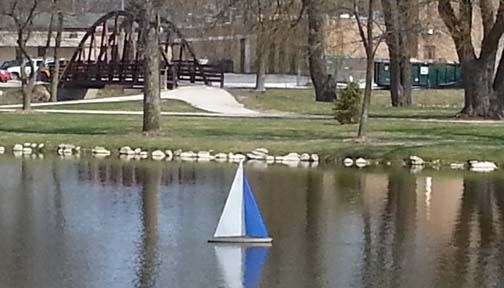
<point x="63" y="131"/>
<point x="452" y="133"/>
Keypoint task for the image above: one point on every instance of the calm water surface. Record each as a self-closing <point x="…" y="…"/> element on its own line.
<point x="91" y="223"/>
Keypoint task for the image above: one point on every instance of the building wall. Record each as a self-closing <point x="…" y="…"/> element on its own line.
<point x="9" y="53"/>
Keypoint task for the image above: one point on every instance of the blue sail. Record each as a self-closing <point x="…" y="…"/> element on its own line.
<point x="255" y="257"/>
<point x="254" y="223"/>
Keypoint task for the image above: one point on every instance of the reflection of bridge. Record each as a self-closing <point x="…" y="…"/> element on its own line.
<point x="110" y="54"/>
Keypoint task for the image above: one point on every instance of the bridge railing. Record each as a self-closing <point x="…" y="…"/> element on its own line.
<point x="101" y="74"/>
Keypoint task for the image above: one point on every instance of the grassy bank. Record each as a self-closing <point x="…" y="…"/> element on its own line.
<point x="426" y="103"/>
<point x="388" y="139"/>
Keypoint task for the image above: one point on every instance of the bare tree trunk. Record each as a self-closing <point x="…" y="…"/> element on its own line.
<point x="406" y="37"/>
<point x="55" y="72"/>
<point x="370" y="47"/>
<point x="261" y="61"/>
<point x="366" y="102"/>
<point x="27" y="81"/>
<point x="49" y="31"/>
<point x="152" y="92"/>
<point x="397" y="22"/>
<point x="482" y="88"/>
<point x="406" y="82"/>
<point x="316" y="48"/>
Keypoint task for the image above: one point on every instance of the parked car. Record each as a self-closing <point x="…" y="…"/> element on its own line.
<point x="10" y="63"/>
<point x="15" y="69"/>
<point x="5" y="76"/>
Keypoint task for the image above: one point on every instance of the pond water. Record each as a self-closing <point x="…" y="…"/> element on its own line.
<point x="92" y="223"/>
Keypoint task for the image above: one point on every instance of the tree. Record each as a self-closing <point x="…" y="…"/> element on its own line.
<point x="269" y="20"/>
<point x="398" y="15"/>
<point x="483" y="80"/>
<point x="150" y="45"/>
<point x="55" y="73"/>
<point x="316" y="48"/>
<point x="371" y="45"/>
<point x="22" y="13"/>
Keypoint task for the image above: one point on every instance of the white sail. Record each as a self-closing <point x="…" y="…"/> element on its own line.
<point x="232" y="222"/>
<point x="230" y="259"/>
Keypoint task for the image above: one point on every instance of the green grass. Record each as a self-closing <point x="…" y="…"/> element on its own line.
<point x="388" y="139"/>
<point x="166" y="106"/>
<point x="426" y="103"/>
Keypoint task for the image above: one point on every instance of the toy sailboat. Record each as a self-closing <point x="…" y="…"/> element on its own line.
<point x="241" y="220"/>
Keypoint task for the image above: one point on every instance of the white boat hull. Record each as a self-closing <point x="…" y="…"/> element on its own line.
<point x="244" y="240"/>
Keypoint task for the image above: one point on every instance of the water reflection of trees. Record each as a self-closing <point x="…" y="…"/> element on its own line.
<point x="149" y="257"/>
<point x="476" y="257"/>
<point x="105" y="172"/>
<point x="385" y="247"/>
<point x="394" y="251"/>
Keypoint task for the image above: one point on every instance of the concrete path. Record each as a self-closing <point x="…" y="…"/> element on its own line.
<point x="213" y="100"/>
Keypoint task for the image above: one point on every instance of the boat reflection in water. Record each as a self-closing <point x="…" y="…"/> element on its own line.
<point x="241" y="266"/>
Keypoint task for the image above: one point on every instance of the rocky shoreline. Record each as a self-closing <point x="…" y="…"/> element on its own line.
<point x="294" y="159"/>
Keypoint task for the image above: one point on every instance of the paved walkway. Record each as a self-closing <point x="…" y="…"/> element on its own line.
<point x="213" y="100"/>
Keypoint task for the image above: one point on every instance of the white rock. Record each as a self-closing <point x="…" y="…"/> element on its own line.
<point x="2" y="150"/>
<point x="18" y="153"/>
<point x="255" y="156"/>
<point x="41" y="146"/>
<point x="188" y="154"/>
<point x="18" y="148"/>
<point x="169" y="155"/>
<point x="34" y="145"/>
<point x="221" y="156"/>
<point x="67" y="151"/>
<point x="27" y="144"/>
<point x="258" y="154"/>
<point x="348" y="162"/>
<point x="238" y="158"/>
<point x="155" y="158"/>
<point x="204" y="155"/>
<point x="177" y="152"/>
<point x="305" y="157"/>
<point x="27" y="150"/>
<point x="101" y="151"/>
<point x="292" y="157"/>
<point x="457" y="165"/>
<point x="270" y="159"/>
<point x="143" y="155"/>
<point x="138" y="151"/>
<point x="361" y="163"/>
<point x="315" y="158"/>
<point x="126" y="150"/>
<point x="483" y="166"/>
<point x="158" y="155"/>
<point x="415" y="160"/>
<point x="261" y="150"/>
